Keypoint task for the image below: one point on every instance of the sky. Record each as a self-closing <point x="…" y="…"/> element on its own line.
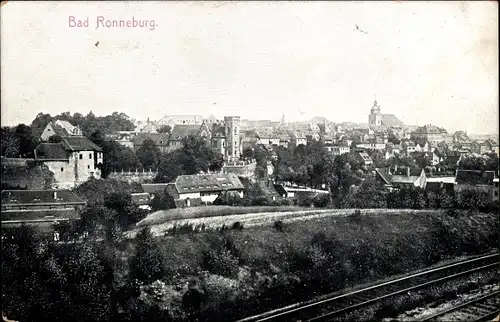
<point x="425" y="62"/>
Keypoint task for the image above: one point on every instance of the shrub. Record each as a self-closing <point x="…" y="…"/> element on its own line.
<point x="237" y="225"/>
<point x="279" y="225"/>
<point x="220" y="262"/>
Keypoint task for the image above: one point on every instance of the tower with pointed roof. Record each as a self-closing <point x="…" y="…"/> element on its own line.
<point x="375" y="118"/>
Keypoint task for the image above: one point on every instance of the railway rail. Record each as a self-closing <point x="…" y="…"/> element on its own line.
<point x="334" y="306"/>
<point x="483" y="308"/>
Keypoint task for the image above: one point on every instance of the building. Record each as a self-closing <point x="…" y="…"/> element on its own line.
<point x="438" y="184"/>
<point x="60" y="128"/>
<point x="284" y="141"/>
<point x="173" y="120"/>
<point x="153" y="188"/>
<point x="233" y="148"/>
<point x="269" y="140"/>
<point x="142" y="200"/>
<point x="181" y="131"/>
<point x="46" y="210"/>
<point x="337" y="149"/>
<point x="147" y="127"/>
<point x="401" y="181"/>
<point x="206" y="187"/>
<point x="482" y="181"/>
<point x="430" y="133"/>
<point x="376" y="119"/>
<point x="371" y="146"/>
<point x="297" y="139"/>
<point x="363" y="158"/>
<point x="74" y="160"/>
<point x="160" y="140"/>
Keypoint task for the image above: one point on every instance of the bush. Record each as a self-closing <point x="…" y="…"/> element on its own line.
<point x="279" y="225"/>
<point x="237" y="226"/>
<point x="220" y="262"/>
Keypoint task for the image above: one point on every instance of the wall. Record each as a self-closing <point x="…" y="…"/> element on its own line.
<point x="64" y="179"/>
<point x="190" y="195"/>
<point x="247" y="170"/>
<point x="136" y="176"/>
<point x="26" y="174"/>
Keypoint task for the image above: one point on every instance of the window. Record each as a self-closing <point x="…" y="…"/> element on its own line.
<point x="62" y="169"/>
<point x="88" y="167"/>
<point x="90" y="156"/>
<point x="81" y="156"/>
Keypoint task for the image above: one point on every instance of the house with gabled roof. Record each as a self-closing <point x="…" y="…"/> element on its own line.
<point x="206" y="187"/>
<point x="402" y="179"/>
<point x="73" y="160"/>
<point x="60" y="128"/>
<point x="161" y="140"/>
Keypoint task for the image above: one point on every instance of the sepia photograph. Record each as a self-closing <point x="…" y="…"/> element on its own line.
<point x="213" y="161"/>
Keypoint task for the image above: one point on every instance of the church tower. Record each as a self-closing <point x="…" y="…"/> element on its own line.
<point x="375" y="119"/>
<point x="232" y="129"/>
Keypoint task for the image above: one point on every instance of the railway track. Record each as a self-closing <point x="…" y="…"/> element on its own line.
<point x="332" y="307"/>
<point x="484" y="308"/>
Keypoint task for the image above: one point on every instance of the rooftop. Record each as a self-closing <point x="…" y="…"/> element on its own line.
<point x="182" y="130"/>
<point x="79" y="143"/>
<point x="50" y="151"/>
<point x="40" y="197"/>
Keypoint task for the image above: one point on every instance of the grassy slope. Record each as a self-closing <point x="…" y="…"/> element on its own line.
<point x="367" y="248"/>
<point x="163" y="216"/>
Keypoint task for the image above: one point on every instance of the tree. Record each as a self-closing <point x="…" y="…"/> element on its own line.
<point x="147" y="264"/>
<point x="148" y="154"/>
<point x="393" y="139"/>
<point x="91" y="291"/>
<point x="27" y="142"/>
<point x="169" y="167"/>
<point x="371" y="194"/>
<point x="40" y="122"/>
<point x="472" y="162"/>
<point x="195" y="155"/>
<point x="11" y="144"/>
<point x="164" y="129"/>
<point x="216" y="163"/>
<point x="248" y="153"/>
<point x="162" y="201"/>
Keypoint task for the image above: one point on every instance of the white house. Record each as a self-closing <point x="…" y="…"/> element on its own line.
<point x="337" y="149"/>
<point x="206" y="187"/>
<point x="74" y="160"/>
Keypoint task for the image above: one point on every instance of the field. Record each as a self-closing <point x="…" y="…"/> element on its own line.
<point x="241" y="272"/>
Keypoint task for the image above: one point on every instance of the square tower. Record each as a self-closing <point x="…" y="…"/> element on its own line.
<point x="232" y="130"/>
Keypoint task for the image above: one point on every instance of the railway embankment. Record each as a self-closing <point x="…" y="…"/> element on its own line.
<point x="241" y="271"/>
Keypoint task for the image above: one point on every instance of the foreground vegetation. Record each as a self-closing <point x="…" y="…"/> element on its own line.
<point x="228" y="274"/>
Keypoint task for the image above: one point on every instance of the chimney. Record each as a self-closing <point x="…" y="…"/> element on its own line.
<point x="55" y="195"/>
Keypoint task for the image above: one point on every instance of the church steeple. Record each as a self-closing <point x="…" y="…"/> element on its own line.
<point x="375" y="108"/>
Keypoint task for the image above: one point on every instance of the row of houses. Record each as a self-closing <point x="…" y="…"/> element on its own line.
<point x="484" y="181"/>
<point x="50" y="209"/>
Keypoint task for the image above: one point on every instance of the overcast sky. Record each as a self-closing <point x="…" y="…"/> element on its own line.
<point x="424" y="62"/>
